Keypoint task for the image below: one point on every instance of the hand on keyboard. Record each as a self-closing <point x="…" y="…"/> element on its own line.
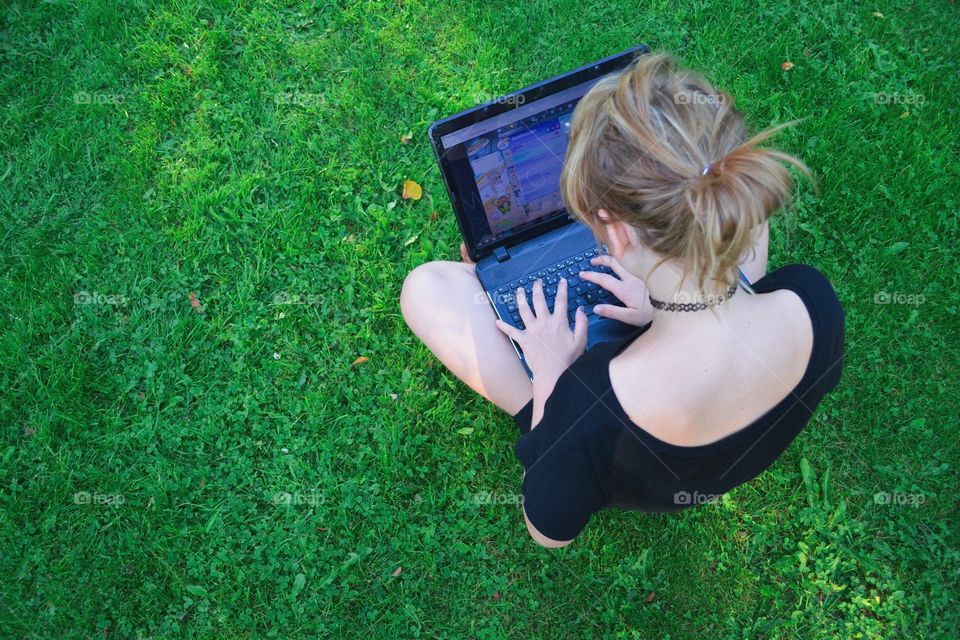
<point x="626" y="287"/>
<point x="582" y="292"/>
<point x="548" y="342"/>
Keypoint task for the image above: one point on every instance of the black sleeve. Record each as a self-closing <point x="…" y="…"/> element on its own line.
<point x="560" y="488"/>
<point x="524" y="417"/>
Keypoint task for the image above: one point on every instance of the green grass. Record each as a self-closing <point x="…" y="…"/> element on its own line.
<point x="248" y="151"/>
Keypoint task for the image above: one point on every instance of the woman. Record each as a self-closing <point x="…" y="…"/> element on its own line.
<point x="720" y="375"/>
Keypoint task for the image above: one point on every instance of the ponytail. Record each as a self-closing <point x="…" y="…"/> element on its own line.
<point x="664" y="151"/>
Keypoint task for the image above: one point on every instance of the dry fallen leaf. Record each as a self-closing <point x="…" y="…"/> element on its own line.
<point x="651" y="596"/>
<point x="411" y="240"/>
<point x="360" y="360"/>
<point x="397" y="571"/>
<point x="406" y="138"/>
<point x="877" y="14"/>
<point x="787" y="65"/>
<point x="433" y="216"/>
<point x="905" y="114"/>
<point x="496" y="595"/>
<point x="195" y="303"/>
<point x="412" y="190"/>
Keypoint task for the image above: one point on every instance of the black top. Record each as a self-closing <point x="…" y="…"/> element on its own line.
<point x="586" y="455"/>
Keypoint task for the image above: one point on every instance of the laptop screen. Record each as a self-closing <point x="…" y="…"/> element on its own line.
<point x="506" y="169"/>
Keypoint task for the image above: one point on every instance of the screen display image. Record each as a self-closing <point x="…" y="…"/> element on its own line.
<point x="516" y="169"/>
<point x="504" y="172"/>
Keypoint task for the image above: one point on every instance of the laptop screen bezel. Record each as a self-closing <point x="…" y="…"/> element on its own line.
<point x="483" y="112"/>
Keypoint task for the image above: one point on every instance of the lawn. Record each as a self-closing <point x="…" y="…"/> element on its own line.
<point x="215" y="423"/>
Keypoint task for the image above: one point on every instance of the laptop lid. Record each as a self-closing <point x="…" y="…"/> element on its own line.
<point x="501" y="160"/>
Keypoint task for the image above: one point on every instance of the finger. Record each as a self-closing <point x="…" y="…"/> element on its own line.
<point x="524" y="307"/>
<point x="609" y="261"/>
<point x="509" y="330"/>
<point x="539" y="302"/>
<point x="580" y="329"/>
<point x="616" y="312"/>
<point x="605" y="280"/>
<point x="560" y="302"/>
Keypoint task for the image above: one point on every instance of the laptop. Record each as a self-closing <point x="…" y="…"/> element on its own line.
<point x="501" y="164"/>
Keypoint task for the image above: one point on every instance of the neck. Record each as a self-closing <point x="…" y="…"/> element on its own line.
<point x="667" y="284"/>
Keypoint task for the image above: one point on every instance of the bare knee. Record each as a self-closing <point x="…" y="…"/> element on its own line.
<point x="445" y="306"/>
<point x="416" y="288"/>
<point x="429" y="284"/>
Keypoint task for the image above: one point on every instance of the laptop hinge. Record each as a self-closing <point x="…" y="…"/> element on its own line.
<point x="501" y="254"/>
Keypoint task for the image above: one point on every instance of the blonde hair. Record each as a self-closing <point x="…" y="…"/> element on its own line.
<point x="664" y="151"/>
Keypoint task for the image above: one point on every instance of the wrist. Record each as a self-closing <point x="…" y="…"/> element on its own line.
<point x="542" y="388"/>
<point x="543" y="383"/>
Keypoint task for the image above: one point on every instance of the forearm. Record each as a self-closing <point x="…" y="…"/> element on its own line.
<point x="542" y="388"/>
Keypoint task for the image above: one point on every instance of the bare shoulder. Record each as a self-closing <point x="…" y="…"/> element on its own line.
<point x="694" y="387"/>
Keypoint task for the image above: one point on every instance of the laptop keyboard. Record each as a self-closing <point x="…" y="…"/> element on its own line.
<point x="580" y="293"/>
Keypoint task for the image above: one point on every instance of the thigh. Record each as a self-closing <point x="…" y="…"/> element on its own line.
<point x="446" y="307"/>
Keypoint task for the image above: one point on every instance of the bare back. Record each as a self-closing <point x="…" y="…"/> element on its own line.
<point x="700" y="379"/>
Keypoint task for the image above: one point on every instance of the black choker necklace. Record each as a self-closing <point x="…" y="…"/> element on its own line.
<point x="693" y="306"/>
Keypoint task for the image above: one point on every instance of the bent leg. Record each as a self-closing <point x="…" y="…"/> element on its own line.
<point x="444" y="304"/>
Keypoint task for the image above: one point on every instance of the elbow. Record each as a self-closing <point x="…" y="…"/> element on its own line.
<point x="542" y="540"/>
<point x="547" y="543"/>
